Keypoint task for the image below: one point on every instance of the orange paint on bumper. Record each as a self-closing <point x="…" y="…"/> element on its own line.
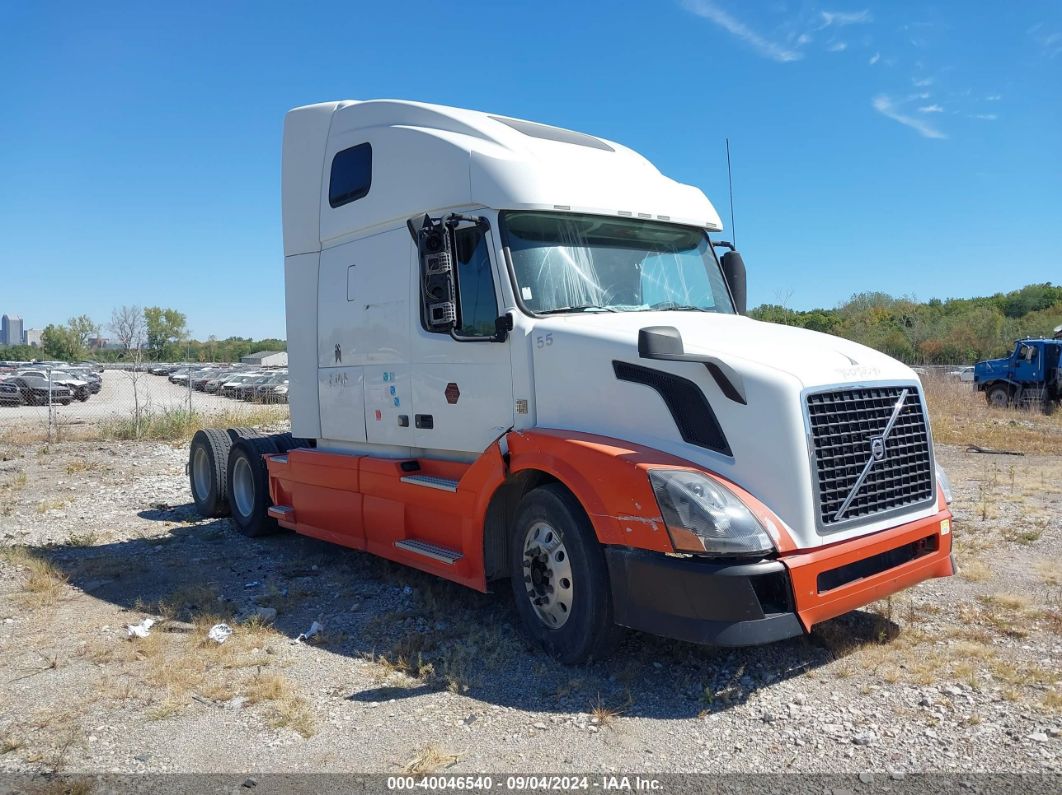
<point x="813" y="607"/>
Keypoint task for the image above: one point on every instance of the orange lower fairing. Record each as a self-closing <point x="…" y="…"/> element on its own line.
<point x="813" y="606"/>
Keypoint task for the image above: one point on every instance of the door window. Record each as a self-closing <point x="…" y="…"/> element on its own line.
<point x="479" y="307"/>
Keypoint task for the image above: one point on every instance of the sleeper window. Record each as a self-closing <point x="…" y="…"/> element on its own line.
<point x="351" y="175"/>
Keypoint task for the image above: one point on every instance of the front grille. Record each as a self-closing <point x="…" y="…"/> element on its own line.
<point x="844" y="424"/>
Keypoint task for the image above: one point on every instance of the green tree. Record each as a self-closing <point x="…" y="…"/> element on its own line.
<point x="82" y="328"/>
<point x="60" y="342"/>
<point x="164" y="326"/>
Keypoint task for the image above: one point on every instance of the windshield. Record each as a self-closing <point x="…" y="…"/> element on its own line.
<point x="582" y="263"/>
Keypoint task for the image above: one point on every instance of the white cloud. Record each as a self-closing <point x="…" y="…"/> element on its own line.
<point x="923" y="82"/>
<point x="886" y="107"/>
<point x="993" y="98"/>
<point x="839" y="46"/>
<point x="934" y="108"/>
<point x="874" y="58"/>
<point x="841" y="18"/>
<point x="985" y="116"/>
<point x="765" y="47"/>
<point x="1050" y="43"/>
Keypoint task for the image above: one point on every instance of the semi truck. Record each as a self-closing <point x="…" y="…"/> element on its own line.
<point x="516" y="355"/>
<point x="1030" y="377"/>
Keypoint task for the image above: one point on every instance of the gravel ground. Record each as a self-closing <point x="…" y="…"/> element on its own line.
<point x="410" y="673"/>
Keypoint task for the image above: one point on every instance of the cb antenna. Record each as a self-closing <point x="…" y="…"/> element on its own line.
<point x="730" y="182"/>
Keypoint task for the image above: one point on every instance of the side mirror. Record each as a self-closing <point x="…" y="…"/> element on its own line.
<point x="503" y="324"/>
<point x="734" y="272"/>
<point x="437" y="275"/>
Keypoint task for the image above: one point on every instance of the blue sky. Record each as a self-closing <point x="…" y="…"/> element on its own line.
<point x="906" y="147"/>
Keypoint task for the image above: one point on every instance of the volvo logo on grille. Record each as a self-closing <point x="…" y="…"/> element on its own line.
<point x="877" y="453"/>
<point x="877" y="448"/>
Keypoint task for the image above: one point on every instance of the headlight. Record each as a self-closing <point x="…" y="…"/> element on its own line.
<point x="704" y="516"/>
<point x="945" y="483"/>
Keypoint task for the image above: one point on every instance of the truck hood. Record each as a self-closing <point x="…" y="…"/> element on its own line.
<point x="991" y="367"/>
<point x="810" y="357"/>
<point x="578" y="386"/>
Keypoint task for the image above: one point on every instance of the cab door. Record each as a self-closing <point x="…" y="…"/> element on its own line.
<point x="462" y="388"/>
<point x="1028" y="365"/>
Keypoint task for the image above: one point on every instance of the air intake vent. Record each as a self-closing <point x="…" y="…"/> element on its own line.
<point x="872" y="452"/>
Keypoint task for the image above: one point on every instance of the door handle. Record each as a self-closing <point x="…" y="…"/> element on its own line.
<point x="424" y="421"/>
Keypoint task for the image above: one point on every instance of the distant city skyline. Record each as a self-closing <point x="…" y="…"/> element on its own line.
<point x="12" y="330"/>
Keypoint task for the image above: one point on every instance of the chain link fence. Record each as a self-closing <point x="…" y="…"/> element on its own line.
<point x="130" y="402"/>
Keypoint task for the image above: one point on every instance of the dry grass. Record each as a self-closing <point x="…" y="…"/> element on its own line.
<point x="89" y="538"/>
<point x="77" y="466"/>
<point x="967" y="651"/>
<point x="53" y="504"/>
<point x="285" y="708"/>
<point x="1006" y="601"/>
<point x="975" y="570"/>
<point x="162" y="425"/>
<point x="51" y="734"/>
<point x="1050" y="573"/>
<point x="41" y="584"/>
<point x="177" y="425"/>
<point x="171" y="671"/>
<point x="1053" y="701"/>
<point x="9" y="743"/>
<point x="961" y="416"/>
<point x="15" y="485"/>
<point x="428" y="761"/>
<point x="604" y="715"/>
<point x="192" y="602"/>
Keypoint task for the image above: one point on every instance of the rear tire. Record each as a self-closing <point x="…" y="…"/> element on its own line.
<point x="242" y="433"/>
<point x="998" y="395"/>
<point x="248" y="479"/>
<point x="285" y="442"/>
<point x="559" y="577"/>
<point x="208" y="457"/>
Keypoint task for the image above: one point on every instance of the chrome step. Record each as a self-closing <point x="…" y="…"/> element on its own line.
<point x="285" y="513"/>
<point x="429" y="550"/>
<point x="431" y="482"/>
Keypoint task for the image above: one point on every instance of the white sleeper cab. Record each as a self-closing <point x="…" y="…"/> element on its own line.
<point x="515" y="353"/>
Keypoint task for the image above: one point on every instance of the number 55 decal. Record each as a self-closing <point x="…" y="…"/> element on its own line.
<point x="544" y="340"/>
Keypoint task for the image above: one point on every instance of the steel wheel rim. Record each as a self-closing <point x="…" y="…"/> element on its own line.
<point x="547" y="572"/>
<point x="243" y="486"/>
<point x="201" y="474"/>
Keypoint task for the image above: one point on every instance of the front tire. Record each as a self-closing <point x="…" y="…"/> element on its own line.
<point x="998" y="395"/>
<point x="559" y="577"/>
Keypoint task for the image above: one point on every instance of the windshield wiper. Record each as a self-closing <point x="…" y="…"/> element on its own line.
<point x="671" y="306"/>
<point x="578" y="308"/>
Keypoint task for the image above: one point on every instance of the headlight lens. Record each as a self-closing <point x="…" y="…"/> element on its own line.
<point x="704" y="516"/>
<point x="945" y="482"/>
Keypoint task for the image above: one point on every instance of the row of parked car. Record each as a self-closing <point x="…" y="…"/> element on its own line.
<point x="44" y="383"/>
<point x="231" y="381"/>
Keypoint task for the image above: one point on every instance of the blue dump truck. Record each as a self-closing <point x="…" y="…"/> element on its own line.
<point x="1031" y="376"/>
